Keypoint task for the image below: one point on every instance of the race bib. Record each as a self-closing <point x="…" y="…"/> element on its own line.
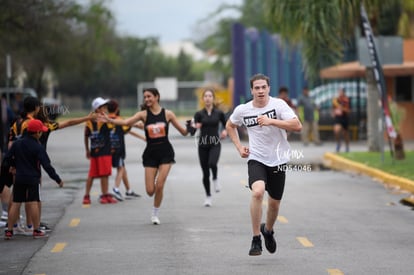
<point x="156" y="130"/>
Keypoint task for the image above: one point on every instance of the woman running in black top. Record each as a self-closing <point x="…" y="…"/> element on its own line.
<point x="158" y="155"/>
<point x="208" y="121"/>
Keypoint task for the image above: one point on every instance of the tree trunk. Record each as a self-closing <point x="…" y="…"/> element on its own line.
<point x="374" y="114"/>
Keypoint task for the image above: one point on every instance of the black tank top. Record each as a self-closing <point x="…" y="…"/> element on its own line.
<point x="156" y="128"/>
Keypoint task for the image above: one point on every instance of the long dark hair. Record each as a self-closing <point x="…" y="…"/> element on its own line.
<point x="42" y="115"/>
<point x="154" y="92"/>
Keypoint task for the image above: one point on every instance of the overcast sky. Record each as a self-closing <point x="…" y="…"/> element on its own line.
<point x="170" y="20"/>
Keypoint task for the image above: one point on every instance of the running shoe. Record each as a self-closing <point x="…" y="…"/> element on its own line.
<point x="103" y="199"/>
<point x="270" y="241"/>
<point x="155" y="220"/>
<point x="22" y="231"/>
<point x="8" y="234"/>
<point x="217" y="185"/>
<point x="4" y="216"/>
<point x="86" y="199"/>
<point x="207" y="201"/>
<point x="117" y="194"/>
<point x="45" y="227"/>
<point x="110" y="199"/>
<point x="3" y="224"/>
<point x="38" y="234"/>
<point x="132" y="194"/>
<point x="256" y="247"/>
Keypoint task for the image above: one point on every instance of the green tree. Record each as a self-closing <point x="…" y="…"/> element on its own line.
<point x="73" y="41"/>
<point x="184" y="66"/>
<point x="406" y="20"/>
<point x="34" y="33"/>
<point x="88" y="66"/>
<point x="218" y="40"/>
<point x="322" y="27"/>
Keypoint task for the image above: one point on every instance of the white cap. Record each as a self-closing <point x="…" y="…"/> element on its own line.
<point x="98" y="102"/>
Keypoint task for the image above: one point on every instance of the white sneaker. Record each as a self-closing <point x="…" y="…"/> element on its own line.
<point x="23" y="231"/>
<point x="207" y="201"/>
<point x="217" y="186"/>
<point x="4" y="216"/>
<point x="155" y="220"/>
<point x="117" y="194"/>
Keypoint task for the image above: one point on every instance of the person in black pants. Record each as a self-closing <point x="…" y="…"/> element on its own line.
<point x="208" y="121"/>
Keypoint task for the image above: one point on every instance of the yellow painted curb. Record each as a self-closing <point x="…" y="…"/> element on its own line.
<point x="339" y="163"/>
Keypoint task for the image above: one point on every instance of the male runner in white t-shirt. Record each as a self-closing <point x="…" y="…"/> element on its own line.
<point x="267" y="119"/>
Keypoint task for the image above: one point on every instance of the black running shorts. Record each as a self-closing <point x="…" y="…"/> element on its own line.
<point x="26" y="192"/>
<point x="274" y="177"/>
<point x="156" y="154"/>
<point x="117" y="161"/>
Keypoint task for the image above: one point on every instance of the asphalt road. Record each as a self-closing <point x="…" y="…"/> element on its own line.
<point x="330" y="222"/>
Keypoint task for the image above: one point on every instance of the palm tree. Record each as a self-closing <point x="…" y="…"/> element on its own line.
<point x="406" y="22"/>
<point x="323" y="27"/>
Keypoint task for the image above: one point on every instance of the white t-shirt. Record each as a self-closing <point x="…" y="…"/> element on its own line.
<point x="267" y="144"/>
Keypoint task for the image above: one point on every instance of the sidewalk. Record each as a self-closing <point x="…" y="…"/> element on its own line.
<point x="325" y="156"/>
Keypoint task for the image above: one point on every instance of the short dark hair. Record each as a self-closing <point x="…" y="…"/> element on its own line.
<point x="283" y="89"/>
<point x="259" y="77"/>
<point x="30" y="103"/>
<point x="112" y="106"/>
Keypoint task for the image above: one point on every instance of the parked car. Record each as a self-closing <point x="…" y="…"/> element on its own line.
<point x="15" y="96"/>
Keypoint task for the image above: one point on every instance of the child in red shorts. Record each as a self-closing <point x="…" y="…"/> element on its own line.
<point x="98" y="151"/>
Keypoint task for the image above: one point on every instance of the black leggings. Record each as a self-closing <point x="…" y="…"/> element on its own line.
<point x="209" y="156"/>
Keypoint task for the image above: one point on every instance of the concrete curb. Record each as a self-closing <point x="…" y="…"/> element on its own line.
<point x="336" y="162"/>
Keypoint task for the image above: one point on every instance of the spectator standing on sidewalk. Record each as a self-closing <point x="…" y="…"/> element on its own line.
<point x="309" y="115"/>
<point x="209" y="145"/>
<point x="98" y="151"/>
<point x="267" y="119"/>
<point x="25" y="157"/>
<point x="117" y="136"/>
<point x="158" y="156"/>
<point x="31" y="107"/>
<point x="341" y="109"/>
<point x="284" y="94"/>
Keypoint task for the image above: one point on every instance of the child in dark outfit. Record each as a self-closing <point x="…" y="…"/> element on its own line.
<point x="24" y="158"/>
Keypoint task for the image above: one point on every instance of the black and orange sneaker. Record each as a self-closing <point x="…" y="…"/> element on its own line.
<point x="37" y="234"/>
<point x="8" y="234"/>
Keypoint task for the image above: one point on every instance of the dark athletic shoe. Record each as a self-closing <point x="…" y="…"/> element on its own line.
<point x="270" y="241"/>
<point x="256" y="248"/>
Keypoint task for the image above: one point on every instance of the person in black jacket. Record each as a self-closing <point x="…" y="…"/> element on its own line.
<point x="25" y="157"/>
